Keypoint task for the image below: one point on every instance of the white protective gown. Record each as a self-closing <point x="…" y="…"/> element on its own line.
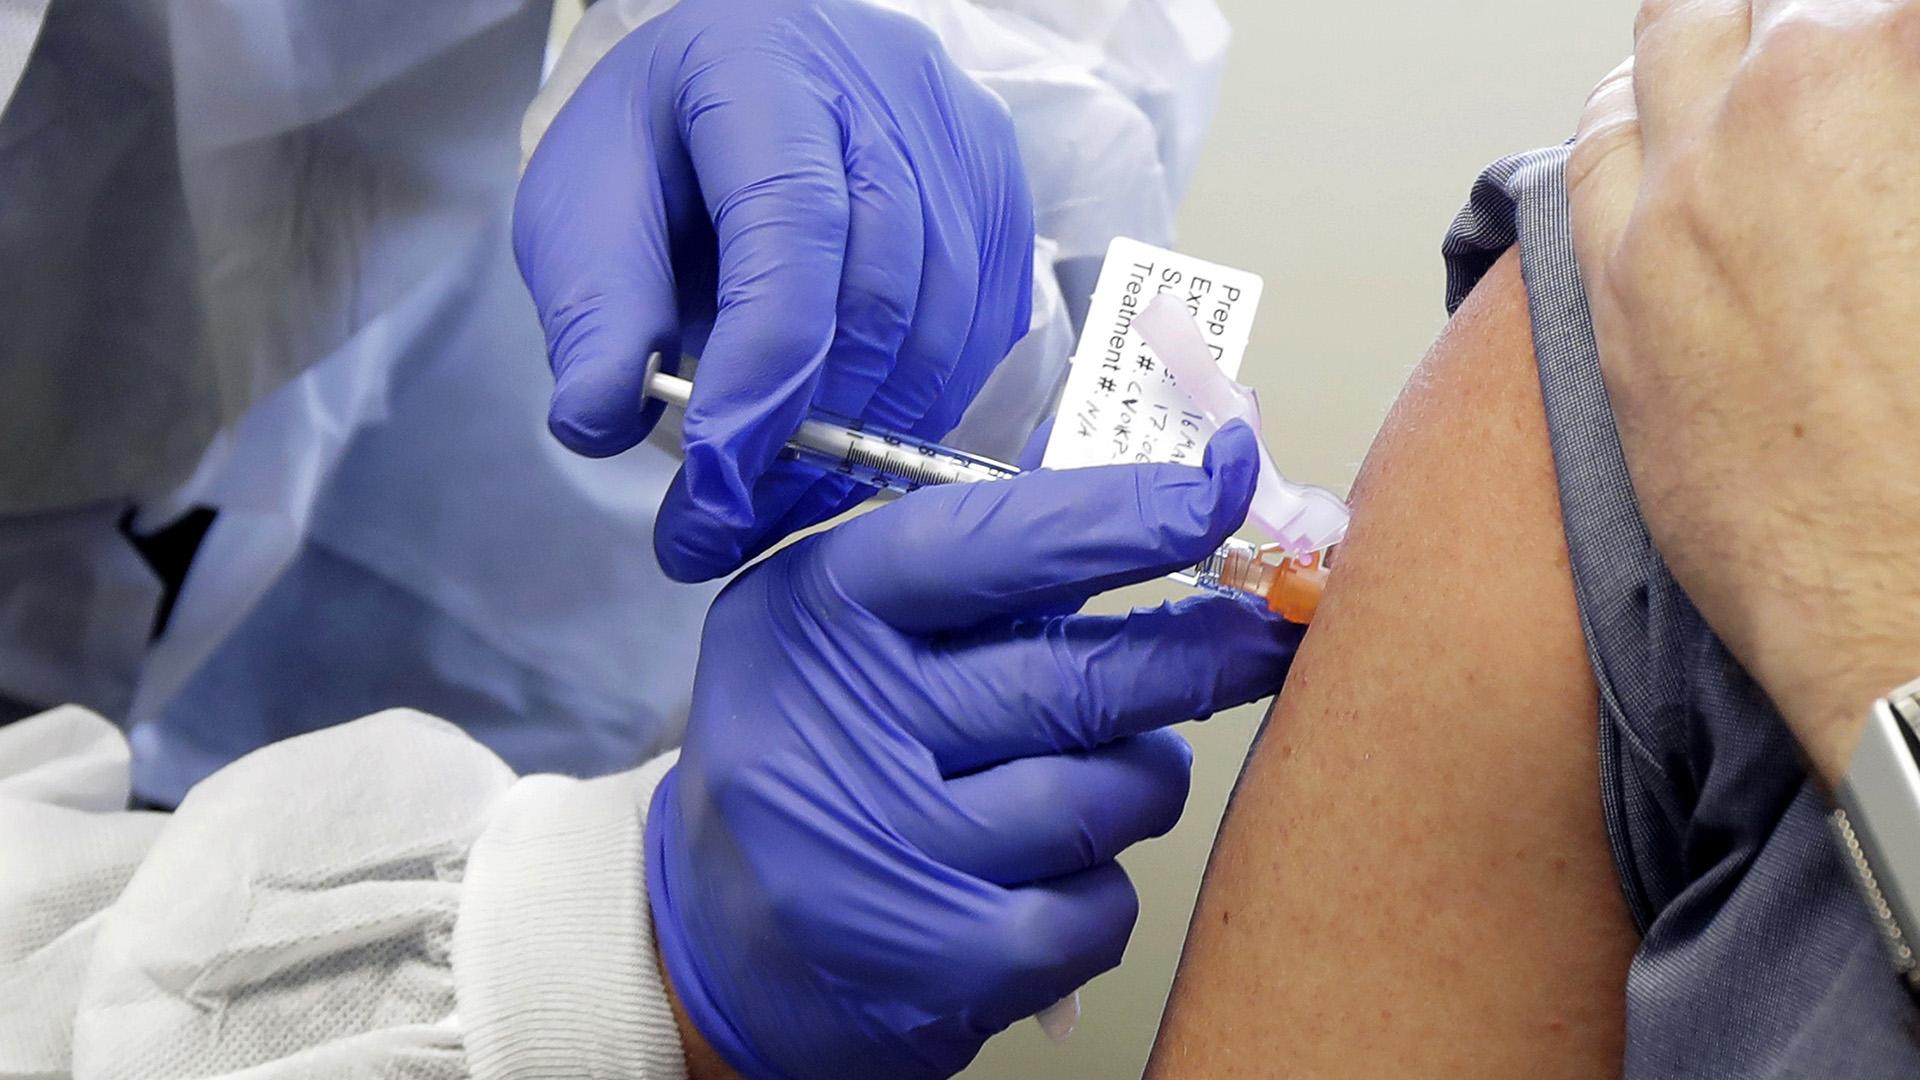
<point x="256" y="258"/>
<point x="384" y="898"/>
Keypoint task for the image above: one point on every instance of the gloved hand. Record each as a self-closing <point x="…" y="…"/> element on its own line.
<point x="807" y="195"/>
<point x="891" y="831"/>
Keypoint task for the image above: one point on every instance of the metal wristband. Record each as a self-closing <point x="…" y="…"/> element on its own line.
<point x="1878" y="824"/>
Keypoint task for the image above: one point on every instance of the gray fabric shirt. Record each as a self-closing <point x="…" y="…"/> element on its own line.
<point x="1756" y="958"/>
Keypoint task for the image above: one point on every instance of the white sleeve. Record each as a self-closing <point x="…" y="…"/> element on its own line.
<point x="380" y="898"/>
<point x="1110" y="102"/>
<point x="67" y="848"/>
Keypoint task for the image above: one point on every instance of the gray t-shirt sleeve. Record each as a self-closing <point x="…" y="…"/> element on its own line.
<point x="1757" y="959"/>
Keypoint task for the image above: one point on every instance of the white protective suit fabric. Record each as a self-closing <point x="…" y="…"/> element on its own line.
<point x="383" y="898"/>
<point x="265" y="268"/>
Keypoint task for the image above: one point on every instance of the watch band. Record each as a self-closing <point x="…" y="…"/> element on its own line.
<point x="1878" y="823"/>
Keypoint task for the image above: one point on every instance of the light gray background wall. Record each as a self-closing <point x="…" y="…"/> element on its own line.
<point x="1347" y="136"/>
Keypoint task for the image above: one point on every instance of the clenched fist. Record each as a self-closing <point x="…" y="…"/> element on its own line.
<point x="1746" y="198"/>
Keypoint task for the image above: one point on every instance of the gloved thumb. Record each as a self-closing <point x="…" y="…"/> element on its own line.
<point x="952" y="557"/>
<point x="599" y="407"/>
<point x="591" y="237"/>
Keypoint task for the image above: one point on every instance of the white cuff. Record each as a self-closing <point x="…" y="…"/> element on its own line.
<point x="553" y="956"/>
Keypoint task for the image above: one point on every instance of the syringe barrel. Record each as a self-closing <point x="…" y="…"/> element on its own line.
<point x="1288" y="586"/>
<point x="886" y="460"/>
<point x="891" y="462"/>
<point x="898" y="464"/>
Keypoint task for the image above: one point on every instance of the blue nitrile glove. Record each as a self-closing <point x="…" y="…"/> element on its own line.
<point x="892" y="829"/>
<point x="811" y="198"/>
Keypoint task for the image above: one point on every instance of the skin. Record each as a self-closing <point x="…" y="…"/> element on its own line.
<point x="1414" y="878"/>
<point x="1746" y="201"/>
<point x="703" y="1062"/>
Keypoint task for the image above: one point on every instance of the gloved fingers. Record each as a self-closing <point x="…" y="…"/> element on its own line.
<point x="878" y="297"/>
<point x="1044" y="817"/>
<point x="925" y="391"/>
<point x="802" y="497"/>
<point x="947" y="274"/>
<point x="1029" y="460"/>
<point x="977" y="289"/>
<point x="770" y="168"/>
<point x="1073" y="684"/>
<point x="880" y="283"/>
<point x="1003" y="310"/>
<point x="591" y="225"/>
<point x="953" y="557"/>
<point x="597" y="409"/>
<point x="948" y="294"/>
<point x="1057" y="936"/>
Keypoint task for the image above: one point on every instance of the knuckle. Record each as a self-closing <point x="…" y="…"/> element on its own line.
<point x="1789" y="58"/>
<point x="1689" y="23"/>
<point x="1652" y="13"/>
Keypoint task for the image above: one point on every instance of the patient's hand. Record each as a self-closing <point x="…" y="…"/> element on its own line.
<point x="1414" y="879"/>
<point x="1746" y="201"/>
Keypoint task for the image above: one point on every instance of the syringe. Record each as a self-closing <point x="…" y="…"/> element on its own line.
<point x="1289" y="586"/>
<point x="879" y="459"/>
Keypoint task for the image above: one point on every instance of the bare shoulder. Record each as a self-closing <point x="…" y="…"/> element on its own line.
<point x="1414" y="879"/>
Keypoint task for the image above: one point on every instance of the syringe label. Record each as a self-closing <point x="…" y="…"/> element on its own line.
<point x="1120" y="405"/>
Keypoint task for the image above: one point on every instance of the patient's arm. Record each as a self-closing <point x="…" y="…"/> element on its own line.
<point x="1414" y="879"/>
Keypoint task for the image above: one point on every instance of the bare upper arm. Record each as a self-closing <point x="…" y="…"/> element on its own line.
<point x="1413" y="879"/>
